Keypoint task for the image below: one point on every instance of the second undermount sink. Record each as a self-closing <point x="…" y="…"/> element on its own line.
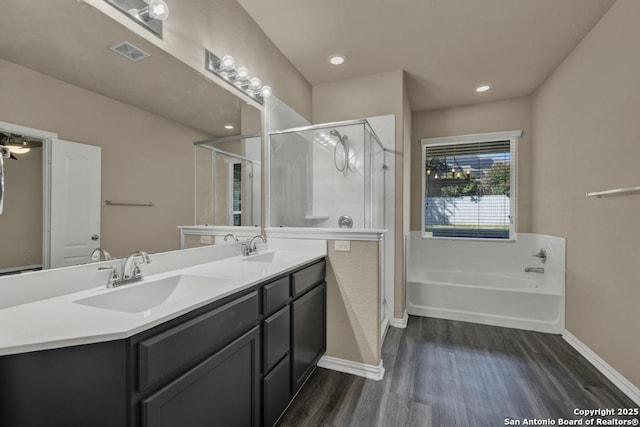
<point x="137" y="298"/>
<point x="272" y="257"/>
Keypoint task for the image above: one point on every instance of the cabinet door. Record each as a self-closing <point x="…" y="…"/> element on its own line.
<point x="224" y="390"/>
<point x="308" y="334"/>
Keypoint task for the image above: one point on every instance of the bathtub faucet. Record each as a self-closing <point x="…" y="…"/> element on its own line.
<point x="541" y="255"/>
<point x="534" y="270"/>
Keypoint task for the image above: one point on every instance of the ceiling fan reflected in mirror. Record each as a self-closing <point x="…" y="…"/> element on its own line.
<point x="17" y="144"/>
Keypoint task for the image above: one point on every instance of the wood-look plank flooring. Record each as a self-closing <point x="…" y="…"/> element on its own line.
<point x="446" y="373"/>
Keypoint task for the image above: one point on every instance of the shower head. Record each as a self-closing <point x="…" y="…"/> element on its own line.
<point x="337" y="135"/>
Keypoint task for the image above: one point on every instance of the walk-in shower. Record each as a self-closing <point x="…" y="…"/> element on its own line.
<point x="329" y="176"/>
<point x="228" y="173"/>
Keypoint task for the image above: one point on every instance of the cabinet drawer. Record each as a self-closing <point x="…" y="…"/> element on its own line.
<point x="276" y="392"/>
<point x="276" y="338"/>
<point x="175" y="350"/>
<point x="275" y="295"/>
<point x="224" y="390"/>
<point x="307" y="278"/>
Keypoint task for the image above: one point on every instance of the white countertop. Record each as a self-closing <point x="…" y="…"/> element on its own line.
<point x="61" y="321"/>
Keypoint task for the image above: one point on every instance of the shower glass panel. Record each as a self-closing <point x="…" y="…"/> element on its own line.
<point x="228" y="184"/>
<point x="327" y="176"/>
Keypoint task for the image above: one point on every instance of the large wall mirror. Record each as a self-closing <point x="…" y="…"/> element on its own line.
<point x="119" y="138"/>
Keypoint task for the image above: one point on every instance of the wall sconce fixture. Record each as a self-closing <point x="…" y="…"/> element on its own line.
<point x="239" y="77"/>
<point x="148" y="13"/>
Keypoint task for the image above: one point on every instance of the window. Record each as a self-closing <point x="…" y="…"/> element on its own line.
<point x="469" y="186"/>
<point x="236" y="193"/>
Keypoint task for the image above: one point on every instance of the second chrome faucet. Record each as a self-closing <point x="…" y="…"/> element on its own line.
<point x="250" y="247"/>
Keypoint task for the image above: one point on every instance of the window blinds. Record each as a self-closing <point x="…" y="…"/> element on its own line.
<point x="468" y="190"/>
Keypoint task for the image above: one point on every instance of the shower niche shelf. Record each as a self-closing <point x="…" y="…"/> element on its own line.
<point x="317" y="217"/>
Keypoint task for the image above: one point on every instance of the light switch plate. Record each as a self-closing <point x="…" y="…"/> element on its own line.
<point x="205" y="240"/>
<point x="342" y="246"/>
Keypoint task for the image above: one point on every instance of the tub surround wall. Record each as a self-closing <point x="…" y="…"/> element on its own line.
<point x="486" y="256"/>
<point x="586" y="133"/>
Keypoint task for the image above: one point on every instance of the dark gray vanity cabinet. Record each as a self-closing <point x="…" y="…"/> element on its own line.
<point x="235" y="362"/>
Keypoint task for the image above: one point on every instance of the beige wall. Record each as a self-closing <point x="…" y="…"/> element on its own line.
<point x="223" y="27"/>
<point x="368" y="96"/>
<point x="587" y="138"/>
<point x="21" y="220"/>
<point x="144" y="157"/>
<point x="512" y="114"/>
<point x="353" y="303"/>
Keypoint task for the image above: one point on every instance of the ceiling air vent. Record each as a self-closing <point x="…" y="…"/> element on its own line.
<point x="129" y="51"/>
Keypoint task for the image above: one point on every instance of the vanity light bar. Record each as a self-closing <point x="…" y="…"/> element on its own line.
<point x="238" y="77"/>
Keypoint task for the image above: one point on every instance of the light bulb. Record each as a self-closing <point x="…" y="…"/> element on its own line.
<point x="228" y="62"/>
<point x="158" y="9"/>
<point x="266" y="91"/>
<point x="428" y="171"/>
<point x="255" y="83"/>
<point x="243" y="73"/>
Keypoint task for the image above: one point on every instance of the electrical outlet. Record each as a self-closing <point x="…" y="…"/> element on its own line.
<point x="205" y="240"/>
<point x="342" y="246"/>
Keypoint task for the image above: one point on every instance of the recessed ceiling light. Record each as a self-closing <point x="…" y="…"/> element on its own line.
<point x="337" y="59"/>
<point x="483" y="88"/>
<point x="228" y="127"/>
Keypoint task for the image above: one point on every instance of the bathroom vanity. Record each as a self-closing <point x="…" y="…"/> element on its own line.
<point x="237" y="360"/>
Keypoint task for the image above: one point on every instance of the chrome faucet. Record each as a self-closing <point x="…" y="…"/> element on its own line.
<point x="131" y="267"/>
<point x="100" y="253"/>
<point x="226" y="237"/>
<point x="542" y="255"/>
<point x="129" y="270"/>
<point x="251" y="246"/>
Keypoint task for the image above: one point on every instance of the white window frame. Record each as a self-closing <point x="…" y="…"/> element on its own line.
<point x="513" y="138"/>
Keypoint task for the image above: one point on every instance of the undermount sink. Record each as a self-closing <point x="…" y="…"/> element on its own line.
<point x="137" y="298"/>
<point x="272" y="257"/>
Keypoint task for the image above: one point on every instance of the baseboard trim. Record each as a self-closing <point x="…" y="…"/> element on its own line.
<point x="354" y="368"/>
<point x="400" y="323"/>
<point x="607" y="370"/>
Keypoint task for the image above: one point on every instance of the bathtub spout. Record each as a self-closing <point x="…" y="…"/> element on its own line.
<point x="534" y="270"/>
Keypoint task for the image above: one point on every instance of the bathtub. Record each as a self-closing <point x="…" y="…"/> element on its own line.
<point x="489" y="289"/>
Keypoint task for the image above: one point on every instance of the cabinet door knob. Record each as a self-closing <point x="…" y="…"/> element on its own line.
<point x="95" y="237"/>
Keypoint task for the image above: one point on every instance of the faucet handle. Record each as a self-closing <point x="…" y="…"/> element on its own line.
<point x="246" y="248"/>
<point x="113" y="276"/>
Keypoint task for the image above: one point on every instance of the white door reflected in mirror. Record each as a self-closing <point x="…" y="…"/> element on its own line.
<point x="75" y="202"/>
